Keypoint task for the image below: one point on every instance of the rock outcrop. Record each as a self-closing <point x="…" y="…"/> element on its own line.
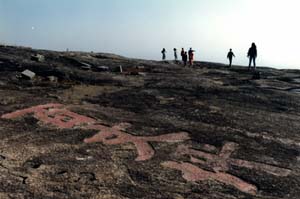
<point x="155" y="131"/>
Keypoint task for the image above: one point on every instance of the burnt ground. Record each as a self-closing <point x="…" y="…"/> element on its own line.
<point x="214" y="105"/>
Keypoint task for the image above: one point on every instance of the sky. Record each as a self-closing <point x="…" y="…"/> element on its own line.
<point x="141" y="28"/>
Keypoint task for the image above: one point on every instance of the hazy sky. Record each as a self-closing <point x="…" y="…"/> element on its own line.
<point x="141" y="28"/>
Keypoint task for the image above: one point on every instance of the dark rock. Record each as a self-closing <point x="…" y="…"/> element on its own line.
<point x="220" y="134"/>
<point x="256" y="75"/>
<point x="102" y="68"/>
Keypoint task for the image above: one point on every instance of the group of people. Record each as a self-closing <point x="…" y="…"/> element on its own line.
<point x="185" y="56"/>
<point x="252" y="54"/>
<point x="189" y="56"/>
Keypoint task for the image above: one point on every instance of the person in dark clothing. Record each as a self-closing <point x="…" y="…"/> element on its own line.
<point x="182" y="53"/>
<point x="163" y="54"/>
<point x="230" y="55"/>
<point x="191" y="56"/>
<point x="175" y="54"/>
<point x="184" y="58"/>
<point x="252" y="54"/>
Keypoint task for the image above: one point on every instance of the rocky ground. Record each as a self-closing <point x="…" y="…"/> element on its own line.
<point x="155" y="131"/>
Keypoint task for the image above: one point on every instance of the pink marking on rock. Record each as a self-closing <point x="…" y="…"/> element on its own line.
<point x="222" y="162"/>
<point x="193" y="173"/>
<point x="114" y="135"/>
<point x="209" y="148"/>
<point x="273" y="170"/>
<point x="212" y="160"/>
<point x="23" y="112"/>
<point x="53" y="114"/>
<point x="227" y="150"/>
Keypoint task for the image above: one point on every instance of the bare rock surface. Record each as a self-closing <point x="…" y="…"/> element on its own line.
<point x="155" y="131"/>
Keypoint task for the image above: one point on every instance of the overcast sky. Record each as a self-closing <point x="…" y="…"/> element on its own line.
<point x="141" y="28"/>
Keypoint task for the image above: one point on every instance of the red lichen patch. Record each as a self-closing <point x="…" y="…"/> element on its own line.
<point x="114" y="135"/>
<point x="222" y="162"/>
<point x="193" y="173"/>
<point x="53" y="114"/>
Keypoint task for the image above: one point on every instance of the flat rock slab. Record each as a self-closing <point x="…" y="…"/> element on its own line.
<point x="28" y="74"/>
<point x="180" y="133"/>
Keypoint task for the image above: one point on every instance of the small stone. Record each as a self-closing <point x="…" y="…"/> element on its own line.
<point x="52" y="79"/>
<point x="2" y="157"/>
<point x="84" y="159"/>
<point x="27" y="74"/>
<point x="102" y="68"/>
<point x="38" y="58"/>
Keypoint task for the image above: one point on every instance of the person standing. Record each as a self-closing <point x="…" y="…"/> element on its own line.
<point x="163" y="54"/>
<point x="230" y="55"/>
<point x="191" y="56"/>
<point x="175" y="54"/>
<point x="182" y="53"/>
<point x="184" y="58"/>
<point x="252" y="54"/>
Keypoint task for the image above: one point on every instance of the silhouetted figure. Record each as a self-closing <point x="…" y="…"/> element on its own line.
<point x="252" y="54"/>
<point x="184" y="58"/>
<point x="182" y="53"/>
<point x="175" y="54"/>
<point x="163" y="54"/>
<point x="230" y="55"/>
<point x="191" y="56"/>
